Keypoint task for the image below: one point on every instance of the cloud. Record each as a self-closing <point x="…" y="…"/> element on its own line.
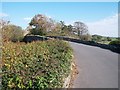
<point x="105" y="27"/>
<point x="3" y="14"/>
<point x="27" y="18"/>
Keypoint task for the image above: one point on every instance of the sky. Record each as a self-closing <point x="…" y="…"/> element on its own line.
<point x="100" y="17"/>
<point x="60" y="0"/>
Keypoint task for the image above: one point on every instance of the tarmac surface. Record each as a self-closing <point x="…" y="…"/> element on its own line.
<point x="98" y="68"/>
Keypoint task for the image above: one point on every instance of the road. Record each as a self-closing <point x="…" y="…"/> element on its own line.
<point x="98" y="68"/>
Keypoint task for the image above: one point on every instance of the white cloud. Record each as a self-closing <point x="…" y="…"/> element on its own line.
<point x="27" y="18"/>
<point x="3" y="14"/>
<point x="105" y="27"/>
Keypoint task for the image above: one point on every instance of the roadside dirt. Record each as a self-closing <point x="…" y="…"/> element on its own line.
<point x="74" y="74"/>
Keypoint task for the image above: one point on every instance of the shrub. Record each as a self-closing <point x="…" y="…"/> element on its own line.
<point x="35" y="65"/>
<point x="96" y="38"/>
<point x="12" y="33"/>
<point x="115" y="42"/>
<point x="109" y="39"/>
<point x="86" y="37"/>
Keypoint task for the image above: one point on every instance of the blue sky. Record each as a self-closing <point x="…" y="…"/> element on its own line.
<point x="91" y="13"/>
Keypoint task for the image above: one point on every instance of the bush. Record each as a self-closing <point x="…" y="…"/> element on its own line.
<point x="115" y="42"/>
<point x="86" y="37"/>
<point x="12" y="33"/>
<point x="96" y="38"/>
<point x="35" y="65"/>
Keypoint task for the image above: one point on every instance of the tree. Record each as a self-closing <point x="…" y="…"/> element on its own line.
<point x="81" y="29"/>
<point x="12" y="33"/>
<point x="70" y="28"/>
<point x="62" y="24"/>
<point x="41" y="24"/>
<point x="97" y="38"/>
<point x="86" y="37"/>
<point x="109" y="39"/>
<point x="3" y="23"/>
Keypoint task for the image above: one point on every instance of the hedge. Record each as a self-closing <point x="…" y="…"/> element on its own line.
<point x="36" y="65"/>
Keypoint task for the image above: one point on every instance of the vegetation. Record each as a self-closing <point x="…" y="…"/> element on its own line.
<point x="115" y="42"/>
<point x="42" y="25"/>
<point x="41" y="64"/>
<point x="11" y="33"/>
<point x="96" y="38"/>
<point x="81" y="29"/>
<point x="103" y="39"/>
<point x="36" y="65"/>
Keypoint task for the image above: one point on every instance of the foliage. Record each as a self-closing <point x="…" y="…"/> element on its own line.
<point x="81" y="29"/>
<point x="109" y="39"/>
<point x="70" y="28"/>
<point x="35" y="65"/>
<point x="103" y="39"/>
<point x="37" y="31"/>
<point x="3" y="22"/>
<point x="41" y="24"/>
<point x="97" y="38"/>
<point x="12" y="33"/>
<point x="115" y="42"/>
<point x="86" y="37"/>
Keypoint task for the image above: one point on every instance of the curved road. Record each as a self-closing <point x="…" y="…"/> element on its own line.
<point x="98" y="68"/>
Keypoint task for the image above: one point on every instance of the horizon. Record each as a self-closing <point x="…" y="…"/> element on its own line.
<point x="100" y="17"/>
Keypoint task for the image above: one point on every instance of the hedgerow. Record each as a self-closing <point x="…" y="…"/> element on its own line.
<point x="36" y="65"/>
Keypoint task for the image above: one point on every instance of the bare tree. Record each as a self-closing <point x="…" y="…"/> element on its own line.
<point x="81" y="28"/>
<point x="3" y="23"/>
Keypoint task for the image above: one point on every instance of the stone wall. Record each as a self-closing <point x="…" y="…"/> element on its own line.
<point x="91" y="43"/>
<point x="30" y="38"/>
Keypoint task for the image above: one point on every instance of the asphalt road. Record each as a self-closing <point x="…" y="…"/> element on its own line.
<point x="98" y="68"/>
